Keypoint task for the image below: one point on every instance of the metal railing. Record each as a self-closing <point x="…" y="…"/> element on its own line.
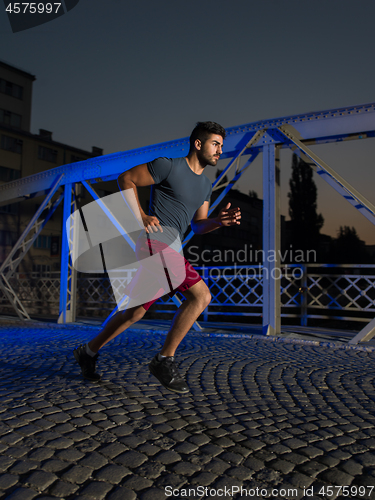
<point x="308" y="291"/>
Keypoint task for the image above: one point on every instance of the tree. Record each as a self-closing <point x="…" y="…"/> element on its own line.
<point x="305" y="222"/>
<point x="347" y="248"/>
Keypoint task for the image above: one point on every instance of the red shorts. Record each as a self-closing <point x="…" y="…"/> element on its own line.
<point x="144" y="275"/>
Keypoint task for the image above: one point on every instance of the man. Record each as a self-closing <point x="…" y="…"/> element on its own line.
<point x="180" y="194"/>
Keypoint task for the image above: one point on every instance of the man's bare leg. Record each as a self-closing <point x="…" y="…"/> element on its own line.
<point x="162" y="366"/>
<point x="197" y="299"/>
<point x="116" y="325"/>
<point x="86" y="355"/>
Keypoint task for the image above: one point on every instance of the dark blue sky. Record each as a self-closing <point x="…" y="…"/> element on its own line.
<point x="119" y="75"/>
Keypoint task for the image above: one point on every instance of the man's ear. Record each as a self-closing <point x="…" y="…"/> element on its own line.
<point x="198" y="144"/>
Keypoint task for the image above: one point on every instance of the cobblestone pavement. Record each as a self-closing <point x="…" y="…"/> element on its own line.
<point x="293" y="420"/>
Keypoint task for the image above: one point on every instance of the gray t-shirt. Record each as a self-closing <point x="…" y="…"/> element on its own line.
<point x="177" y="193"/>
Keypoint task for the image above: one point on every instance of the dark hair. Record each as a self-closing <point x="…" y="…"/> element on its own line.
<point x="203" y="130"/>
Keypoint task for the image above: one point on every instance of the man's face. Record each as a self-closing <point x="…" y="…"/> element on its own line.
<point x="209" y="152"/>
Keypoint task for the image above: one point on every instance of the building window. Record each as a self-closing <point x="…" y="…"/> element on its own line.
<point x="41" y="268"/>
<point x="42" y="242"/>
<point x="76" y="158"/>
<point x="10" y="209"/>
<point x="11" y="144"/>
<point x="8" y="238"/>
<point x="9" y="118"/>
<point x="11" y="89"/>
<point x="47" y="154"/>
<point x="9" y="174"/>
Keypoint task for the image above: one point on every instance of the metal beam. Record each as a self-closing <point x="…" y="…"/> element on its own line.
<point x="68" y="274"/>
<point x="367" y="333"/>
<point x="322" y="125"/>
<point x="334" y="179"/>
<point x="34" y="227"/>
<point x="271" y="241"/>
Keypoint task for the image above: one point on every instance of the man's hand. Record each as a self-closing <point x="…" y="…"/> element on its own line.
<point x="151" y="223"/>
<point x="229" y="216"/>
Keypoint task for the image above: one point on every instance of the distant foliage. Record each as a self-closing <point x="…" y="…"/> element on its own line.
<point x="306" y="223"/>
<point x="347" y="248"/>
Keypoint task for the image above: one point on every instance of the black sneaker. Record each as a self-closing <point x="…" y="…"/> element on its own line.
<point x="87" y="363"/>
<point x="167" y="373"/>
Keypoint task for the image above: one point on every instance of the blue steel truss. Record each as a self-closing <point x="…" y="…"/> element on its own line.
<point x="267" y="136"/>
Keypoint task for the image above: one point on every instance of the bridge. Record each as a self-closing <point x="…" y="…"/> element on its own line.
<point x="265" y="137"/>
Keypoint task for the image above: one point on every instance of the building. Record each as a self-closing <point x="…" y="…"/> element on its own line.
<point x="23" y="153"/>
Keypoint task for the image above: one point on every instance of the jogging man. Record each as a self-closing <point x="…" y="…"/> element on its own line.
<point x="180" y="194"/>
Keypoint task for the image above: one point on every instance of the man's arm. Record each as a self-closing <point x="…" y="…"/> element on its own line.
<point x="227" y="217"/>
<point x="138" y="176"/>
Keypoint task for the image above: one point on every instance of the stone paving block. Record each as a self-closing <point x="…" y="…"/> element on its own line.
<point x="329" y="460"/>
<point x="22" y="494"/>
<point x="54" y="466"/>
<point x="185" y="448"/>
<point x="253" y="444"/>
<point x="224" y="442"/>
<point x="312" y="468"/>
<point x="226" y="482"/>
<point x="6" y="462"/>
<point x="123" y="493"/>
<point x="311" y="451"/>
<point x="366" y="459"/>
<point x="231" y="458"/>
<point x="343" y="440"/>
<point x="61" y="489"/>
<point x="151" y="494"/>
<point x="93" y="460"/>
<point x="40" y="480"/>
<point x="300" y="480"/>
<point x="203" y="479"/>
<point x="340" y="454"/>
<point x="337" y="477"/>
<point x="168" y="457"/>
<point x="199" y="439"/>
<point x="184" y="468"/>
<point x="10" y="439"/>
<point x="294" y="443"/>
<point x="281" y="466"/>
<point x="241" y="473"/>
<point x="164" y="443"/>
<point x="97" y="490"/>
<point x="23" y="467"/>
<point x="8" y="480"/>
<point x="172" y="480"/>
<point x="137" y="483"/>
<point x="58" y="417"/>
<point x="112" y="474"/>
<point x="131" y="459"/>
<point x="77" y="474"/>
<point x="17" y="451"/>
<point x="265" y="455"/>
<point x="253" y="464"/>
<point x="352" y="467"/>
<point x="148" y="449"/>
<point x="211" y="449"/>
<point x="71" y="455"/>
<point x="87" y="445"/>
<point x="60" y="443"/>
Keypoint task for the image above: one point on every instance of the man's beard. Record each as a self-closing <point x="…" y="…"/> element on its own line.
<point x="205" y="159"/>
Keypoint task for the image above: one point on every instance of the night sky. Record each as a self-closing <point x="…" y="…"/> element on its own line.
<point x="119" y="75"/>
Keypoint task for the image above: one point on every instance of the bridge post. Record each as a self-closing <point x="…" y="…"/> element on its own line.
<point x="68" y="285"/>
<point x="271" y="240"/>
